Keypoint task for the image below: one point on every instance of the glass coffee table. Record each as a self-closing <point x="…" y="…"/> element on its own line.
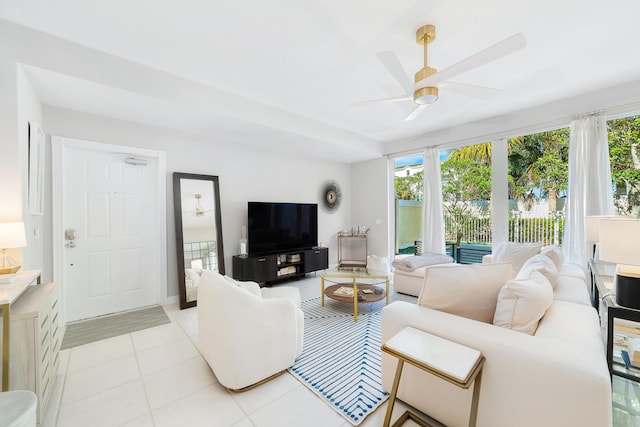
<point x="355" y="285"/>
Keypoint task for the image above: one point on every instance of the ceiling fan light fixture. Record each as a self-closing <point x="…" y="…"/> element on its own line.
<point x="199" y="210"/>
<point x="425" y="95"/>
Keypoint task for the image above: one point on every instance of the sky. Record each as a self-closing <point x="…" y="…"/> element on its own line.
<point x="417" y="159"/>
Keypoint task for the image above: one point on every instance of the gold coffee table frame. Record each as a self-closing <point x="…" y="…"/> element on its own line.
<point x="339" y="275"/>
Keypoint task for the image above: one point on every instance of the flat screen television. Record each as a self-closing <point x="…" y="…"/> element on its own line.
<point x="277" y="227"/>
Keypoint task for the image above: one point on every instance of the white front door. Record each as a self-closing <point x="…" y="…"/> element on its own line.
<point x="109" y="217"/>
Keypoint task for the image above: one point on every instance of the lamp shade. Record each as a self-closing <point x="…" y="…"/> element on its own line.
<point x="593" y="226"/>
<point x="12" y="235"/>
<point x="620" y="240"/>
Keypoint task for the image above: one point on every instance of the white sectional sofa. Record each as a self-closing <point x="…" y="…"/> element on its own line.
<point x="556" y="377"/>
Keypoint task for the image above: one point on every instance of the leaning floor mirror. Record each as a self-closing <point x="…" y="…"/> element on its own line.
<point x="198" y="231"/>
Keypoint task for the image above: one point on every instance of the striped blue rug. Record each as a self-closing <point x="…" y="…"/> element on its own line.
<point x="341" y="359"/>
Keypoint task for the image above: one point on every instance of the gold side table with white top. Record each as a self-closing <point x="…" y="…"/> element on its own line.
<point x="9" y="294"/>
<point x="450" y="361"/>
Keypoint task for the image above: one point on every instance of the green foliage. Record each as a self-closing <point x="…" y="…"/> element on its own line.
<point x="624" y="152"/>
<point x="464" y="180"/>
<point x="539" y="161"/>
<point x="409" y="187"/>
<point x="481" y="153"/>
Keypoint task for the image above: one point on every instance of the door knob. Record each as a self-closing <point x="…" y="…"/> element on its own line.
<point x="70" y="234"/>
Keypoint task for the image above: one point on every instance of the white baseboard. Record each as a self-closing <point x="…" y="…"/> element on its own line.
<point x="171" y="300"/>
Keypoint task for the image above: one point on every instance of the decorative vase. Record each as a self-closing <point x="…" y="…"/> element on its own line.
<point x="243" y="242"/>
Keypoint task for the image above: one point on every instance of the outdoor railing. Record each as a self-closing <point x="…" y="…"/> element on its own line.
<point x="546" y="230"/>
<point x="522" y="228"/>
<point x="475" y="229"/>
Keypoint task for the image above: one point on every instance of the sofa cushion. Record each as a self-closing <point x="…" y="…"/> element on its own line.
<point x="469" y="290"/>
<point x="540" y="263"/>
<point x="522" y="303"/>
<point x="515" y="253"/>
<point x="572" y="289"/>
<point x="573" y="270"/>
<point x="378" y="263"/>
<point x="555" y="254"/>
<point x="412" y="262"/>
<point x="576" y="323"/>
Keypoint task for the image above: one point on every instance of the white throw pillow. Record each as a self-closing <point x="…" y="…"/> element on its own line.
<point x="544" y="265"/>
<point x="523" y="302"/>
<point x="515" y="253"/>
<point x="555" y="254"/>
<point x="469" y="291"/>
<point x="379" y="263"/>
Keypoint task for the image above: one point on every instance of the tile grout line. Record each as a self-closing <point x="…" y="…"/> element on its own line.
<point x="144" y="386"/>
<point x="64" y="383"/>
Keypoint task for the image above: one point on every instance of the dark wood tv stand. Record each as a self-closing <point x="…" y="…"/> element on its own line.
<point x="290" y="264"/>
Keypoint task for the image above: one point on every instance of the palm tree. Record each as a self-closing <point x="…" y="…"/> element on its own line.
<point x="481" y="153"/>
<point x="541" y="163"/>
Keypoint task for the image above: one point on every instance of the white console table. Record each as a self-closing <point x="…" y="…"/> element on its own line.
<point x="9" y="294"/>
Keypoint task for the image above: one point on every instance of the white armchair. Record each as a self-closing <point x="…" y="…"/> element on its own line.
<point x="247" y="337"/>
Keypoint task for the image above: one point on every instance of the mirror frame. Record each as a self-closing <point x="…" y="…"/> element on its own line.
<point x="177" y="208"/>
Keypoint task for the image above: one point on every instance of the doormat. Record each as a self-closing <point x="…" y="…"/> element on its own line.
<point x="341" y="359"/>
<point x="113" y="325"/>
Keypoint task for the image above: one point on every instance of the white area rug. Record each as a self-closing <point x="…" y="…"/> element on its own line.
<point x="341" y="359"/>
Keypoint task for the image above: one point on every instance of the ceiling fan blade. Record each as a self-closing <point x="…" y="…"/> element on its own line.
<point x="503" y="48"/>
<point x="381" y="100"/>
<point x="469" y="90"/>
<point x="392" y="64"/>
<point x="416" y="112"/>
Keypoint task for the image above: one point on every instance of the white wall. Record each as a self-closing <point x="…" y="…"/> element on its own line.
<point x="19" y="105"/>
<point x="370" y="205"/>
<point x="11" y="188"/>
<point x="243" y="176"/>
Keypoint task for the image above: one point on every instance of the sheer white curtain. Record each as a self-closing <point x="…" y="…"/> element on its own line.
<point x="432" y="219"/>
<point x="589" y="191"/>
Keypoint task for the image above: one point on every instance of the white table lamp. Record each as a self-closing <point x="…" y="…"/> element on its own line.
<point x="592" y="225"/>
<point x="620" y="244"/>
<point x="11" y="236"/>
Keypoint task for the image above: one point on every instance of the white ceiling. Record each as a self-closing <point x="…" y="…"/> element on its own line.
<point x="285" y="72"/>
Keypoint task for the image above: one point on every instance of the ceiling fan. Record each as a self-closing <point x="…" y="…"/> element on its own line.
<point x="427" y="82"/>
<point x="199" y="210"/>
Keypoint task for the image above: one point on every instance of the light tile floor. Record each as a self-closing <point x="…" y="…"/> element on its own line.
<point x="156" y="377"/>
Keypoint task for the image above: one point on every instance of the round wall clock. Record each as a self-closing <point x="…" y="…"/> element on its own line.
<point x="330" y="195"/>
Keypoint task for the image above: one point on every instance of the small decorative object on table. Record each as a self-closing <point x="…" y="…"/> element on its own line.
<point x="12" y="236"/>
<point x="344" y="291"/>
<point x="243" y="241"/>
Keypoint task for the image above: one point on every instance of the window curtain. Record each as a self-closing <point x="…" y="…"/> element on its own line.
<point x="589" y="191"/>
<point x="432" y="219"/>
